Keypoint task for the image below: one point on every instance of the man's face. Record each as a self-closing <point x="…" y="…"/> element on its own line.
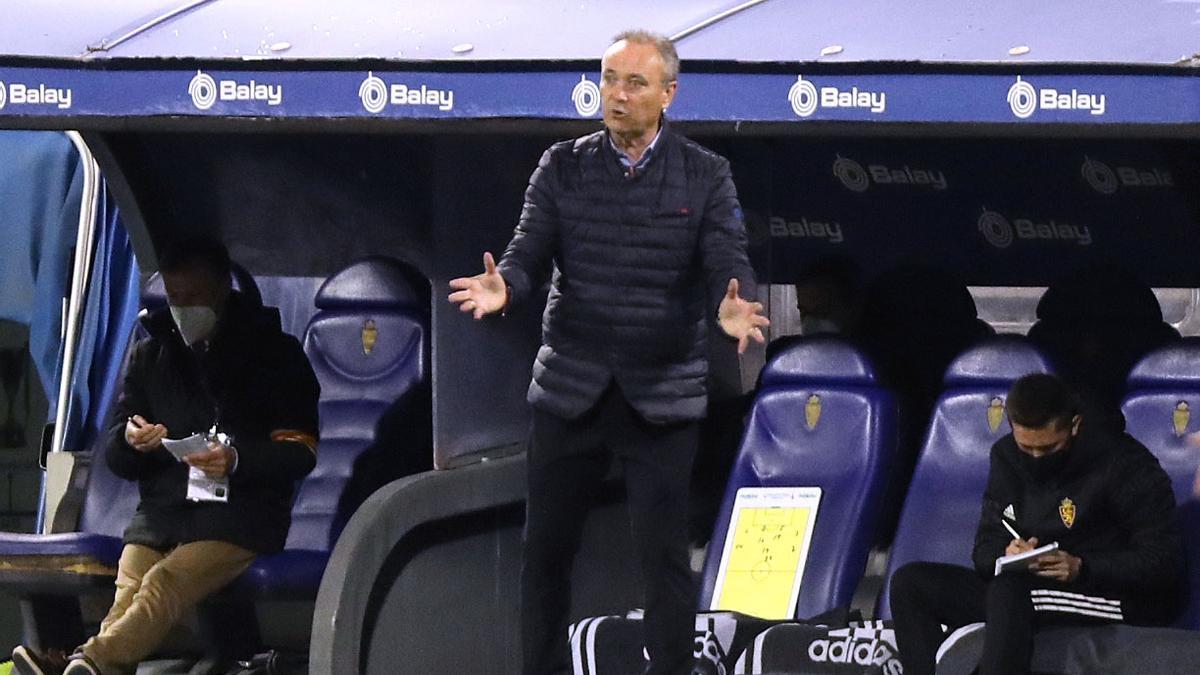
<point x="190" y="287"/>
<point x="633" y="88"/>
<point x="1046" y="440"/>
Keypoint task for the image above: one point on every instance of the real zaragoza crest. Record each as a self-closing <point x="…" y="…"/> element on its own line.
<point x="995" y="413"/>
<point x="1066" y="511"/>
<point x="369" y="335"/>
<point x="1180" y="417"/>
<point x="812" y="411"/>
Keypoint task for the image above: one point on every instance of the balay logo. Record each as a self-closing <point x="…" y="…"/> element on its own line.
<point x="206" y="91"/>
<point x="1024" y="100"/>
<point x="22" y="94"/>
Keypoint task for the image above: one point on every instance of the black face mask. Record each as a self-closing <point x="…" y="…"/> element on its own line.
<point x="1047" y="466"/>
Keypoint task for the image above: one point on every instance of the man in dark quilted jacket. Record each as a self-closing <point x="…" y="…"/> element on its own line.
<point x="640" y="231"/>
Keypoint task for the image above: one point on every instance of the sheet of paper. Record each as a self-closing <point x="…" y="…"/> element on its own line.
<point x="186" y="446"/>
<point x="1020" y="561"/>
<point x="766" y="548"/>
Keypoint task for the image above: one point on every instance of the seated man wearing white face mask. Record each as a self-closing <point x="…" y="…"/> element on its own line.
<point x="219" y="365"/>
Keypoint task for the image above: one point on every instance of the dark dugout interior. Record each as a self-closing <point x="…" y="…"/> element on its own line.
<point x="1001" y="211"/>
<point x="989" y="210"/>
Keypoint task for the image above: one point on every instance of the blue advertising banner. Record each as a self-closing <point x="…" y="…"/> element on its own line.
<point x="966" y="98"/>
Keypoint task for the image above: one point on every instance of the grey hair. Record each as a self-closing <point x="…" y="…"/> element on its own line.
<point x="666" y="49"/>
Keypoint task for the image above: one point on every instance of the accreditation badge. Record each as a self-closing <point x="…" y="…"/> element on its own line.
<point x="201" y="488"/>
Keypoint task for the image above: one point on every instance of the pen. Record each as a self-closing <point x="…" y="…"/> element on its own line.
<point x="1010" y="529"/>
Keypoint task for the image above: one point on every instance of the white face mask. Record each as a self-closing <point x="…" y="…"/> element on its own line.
<point x="813" y="325"/>
<point x="195" y="322"/>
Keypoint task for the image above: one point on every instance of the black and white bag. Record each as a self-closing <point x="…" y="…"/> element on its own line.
<point x="613" y="645"/>
<point x="861" y="647"/>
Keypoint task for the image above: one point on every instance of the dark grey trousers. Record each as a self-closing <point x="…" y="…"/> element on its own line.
<point x="568" y="459"/>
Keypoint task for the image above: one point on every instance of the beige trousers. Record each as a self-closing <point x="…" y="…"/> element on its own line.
<point x="154" y="589"/>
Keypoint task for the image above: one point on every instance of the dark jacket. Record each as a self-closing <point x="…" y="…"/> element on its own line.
<point x="1121" y="515"/>
<point x="252" y="380"/>
<point x="638" y="264"/>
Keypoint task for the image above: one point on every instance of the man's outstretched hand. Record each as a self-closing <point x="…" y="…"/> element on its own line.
<point x="481" y="294"/>
<point x="741" y="320"/>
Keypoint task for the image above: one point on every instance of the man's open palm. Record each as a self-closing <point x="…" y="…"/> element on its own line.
<point x="481" y="294"/>
<point x="741" y="320"/>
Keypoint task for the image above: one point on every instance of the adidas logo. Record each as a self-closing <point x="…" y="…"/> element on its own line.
<point x="859" y="646"/>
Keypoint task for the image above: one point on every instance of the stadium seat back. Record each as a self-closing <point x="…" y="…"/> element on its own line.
<point x="1162" y="410"/>
<point x="368" y="344"/>
<point x="820" y="419"/>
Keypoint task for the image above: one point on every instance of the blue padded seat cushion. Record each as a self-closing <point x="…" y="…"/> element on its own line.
<point x="357" y="391"/>
<point x="101" y="548"/>
<point x="358" y="386"/>
<point x="334" y="345"/>
<point x="287" y="575"/>
<point x="819" y="361"/>
<point x="995" y="362"/>
<point x="1173" y="366"/>
<point x="373" y="283"/>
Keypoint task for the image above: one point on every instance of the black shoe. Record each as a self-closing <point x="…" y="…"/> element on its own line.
<point x="27" y="661"/>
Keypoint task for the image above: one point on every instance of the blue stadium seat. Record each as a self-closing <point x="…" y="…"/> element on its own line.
<point x="941" y="511"/>
<point x="1162" y="409"/>
<point x="847" y="451"/>
<point x="368" y="344"/>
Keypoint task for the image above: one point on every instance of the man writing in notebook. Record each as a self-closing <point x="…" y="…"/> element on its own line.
<point x="1104" y="499"/>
